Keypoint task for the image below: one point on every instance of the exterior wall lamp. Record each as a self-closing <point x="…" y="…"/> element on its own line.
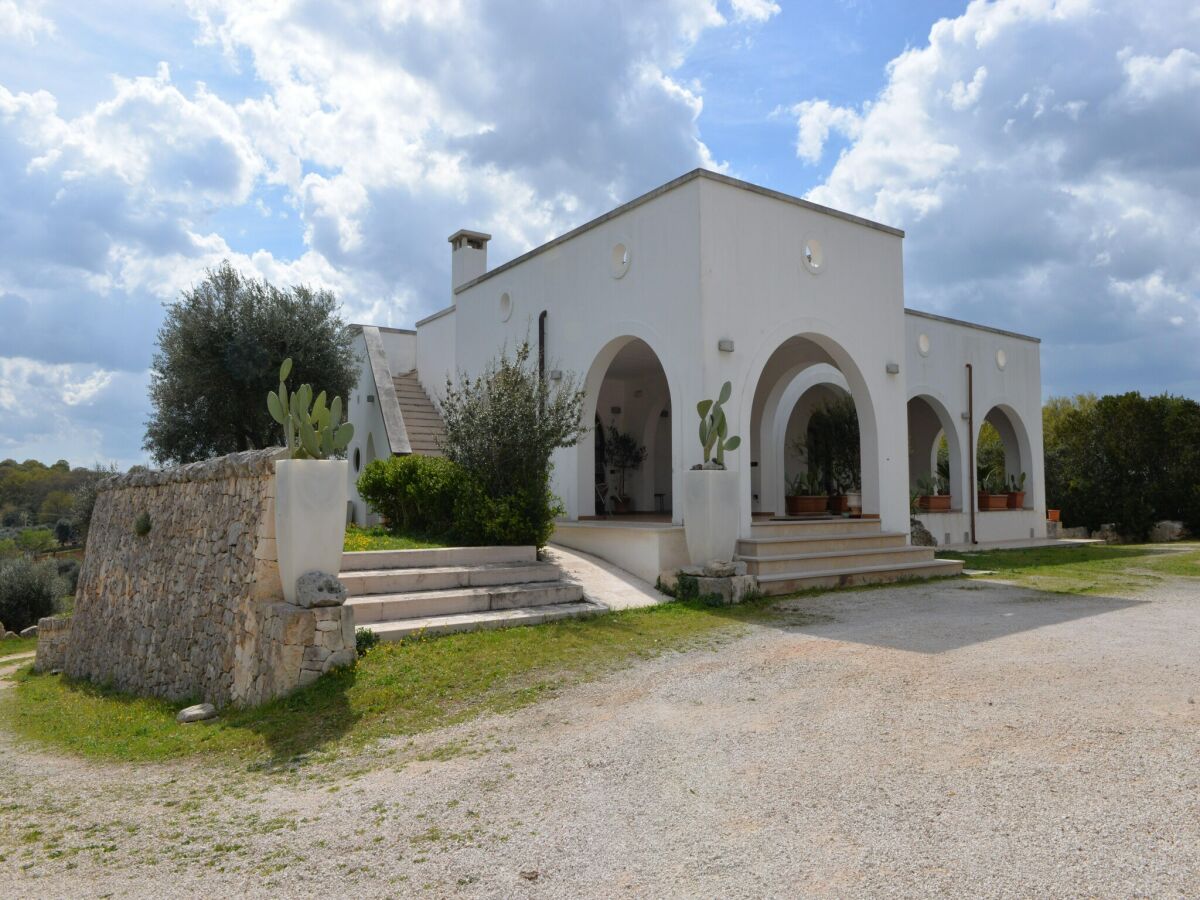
<point x="725" y="345"/>
<point x="893" y="368"/>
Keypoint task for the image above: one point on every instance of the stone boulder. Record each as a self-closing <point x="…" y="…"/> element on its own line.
<point x="319" y="589"/>
<point x="29" y="632"/>
<point x="197" y="713"/>
<point x="920" y="535"/>
<point x="1166" y="531"/>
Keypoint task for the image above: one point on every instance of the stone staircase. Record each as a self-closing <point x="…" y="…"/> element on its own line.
<point x="421" y="418"/>
<point x="397" y="593"/>
<point x="790" y="555"/>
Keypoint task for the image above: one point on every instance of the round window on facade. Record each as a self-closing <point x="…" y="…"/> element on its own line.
<point x="357" y="459"/>
<point x="814" y="256"/>
<point x="620" y="260"/>
<point x="505" y="307"/>
<point x="1001" y="360"/>
<point x="923" y="345"/>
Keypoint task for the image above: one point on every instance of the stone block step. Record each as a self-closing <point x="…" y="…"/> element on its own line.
<point x="438" y="578"/>
<point x="505" y="618"/>
<point x="423" y="604"/>
<point x="775" y="585"/>
<point x="803" y="527"/>
<point x="818" y="543"/>
<point x="435" y="556"/>
<point x="834" y="560"/>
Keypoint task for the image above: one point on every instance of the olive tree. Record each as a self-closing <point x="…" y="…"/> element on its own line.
<point x="219" y="352"/>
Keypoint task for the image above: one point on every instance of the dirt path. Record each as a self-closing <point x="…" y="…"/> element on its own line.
<point x="954" y="739"/>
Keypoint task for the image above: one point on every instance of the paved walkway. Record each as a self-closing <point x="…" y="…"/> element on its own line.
<point x="602" y="582"/>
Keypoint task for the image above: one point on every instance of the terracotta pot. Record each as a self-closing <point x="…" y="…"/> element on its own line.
<point x="935" y="503"/>
<point x="991" y="502"/>
<point x="622" y="505"/>
<point x="805" y="504"/>
<point x="839" y="503"/>
<point x="1052" y="515"/>
<point x="1016" y="499"/>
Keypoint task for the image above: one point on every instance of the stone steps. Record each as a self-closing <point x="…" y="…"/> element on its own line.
<point x="834" y="560"/>
<point x="810" y="527"/>
<point x="364" y="582"/>
<point x="774" y="585"/>
<point x="421" y="418"/>
<point x="776" y="546"/>
<point x="398" y="593"/>
<point x="507" y="618"/>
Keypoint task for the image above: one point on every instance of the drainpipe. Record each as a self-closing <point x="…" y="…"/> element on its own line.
<point x="542" y="345"/>
<point x="971" y="445"/>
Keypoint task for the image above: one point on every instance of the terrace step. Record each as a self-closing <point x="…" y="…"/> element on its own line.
<point x="817" y="543"/>
<point x="810" y="527"/>
<point x="422" y="420"/>
<point x="505" y="618"/>
<point x="774" y="585"/>
<point x="835" y="560"/>
<point x="360" y="560"/>
<point x="382" y="608"/>
<point x="365" y="582"/>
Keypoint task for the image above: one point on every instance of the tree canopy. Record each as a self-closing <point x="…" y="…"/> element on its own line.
<point x="219" y="351"/>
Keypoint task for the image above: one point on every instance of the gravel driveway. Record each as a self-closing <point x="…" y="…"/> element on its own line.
<point x="957" y="739"/>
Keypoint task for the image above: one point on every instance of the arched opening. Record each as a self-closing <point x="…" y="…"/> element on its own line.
<point x="807" y="376"/>
<point x="629" y="451"/>
<point x="1003" y="460"/>
<point x="935" y="460"/>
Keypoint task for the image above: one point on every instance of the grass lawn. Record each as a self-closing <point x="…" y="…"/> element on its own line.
<point x="397" y="689"/>
<point x="379" y="538"/>
<point x="1088" y="568"/>
<point x="17" y="645"/>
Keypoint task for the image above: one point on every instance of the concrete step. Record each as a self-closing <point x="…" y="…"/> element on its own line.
<point x="505" y="618"/>
<point x="359" y="560"/>
<point x="775" y="585"/>
<point x="775" y="546"/>
<point x="423" y="604"/>
<point x="809" y="527"/>
<point x="366" y="582"/>
<point x="834" y="560"/>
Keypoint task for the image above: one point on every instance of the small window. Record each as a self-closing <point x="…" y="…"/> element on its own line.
<point x="357" y="459"/>
<point x="923" y="345"/>
<point x="620" y="260"/>
<point x="814" y="256"/>
<point x="505" y="307"/>
<point x="1001" y="360"/>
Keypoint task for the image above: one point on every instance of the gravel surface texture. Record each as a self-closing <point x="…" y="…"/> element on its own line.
<point x="954" y="739"/>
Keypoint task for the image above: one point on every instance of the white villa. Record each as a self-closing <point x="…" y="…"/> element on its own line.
<point x="704" y="280"/>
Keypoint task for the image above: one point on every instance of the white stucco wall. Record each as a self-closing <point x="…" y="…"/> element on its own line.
<point x="400" y="345"/>
<point x="437" y="352"/>
<point x="370" y="437"/>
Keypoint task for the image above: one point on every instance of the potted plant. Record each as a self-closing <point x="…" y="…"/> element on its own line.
<point x="624" y="454"/>
<point x="931" y="494"/>
<point x="310" y="488"/>
<point x="806" y="494"/>
<point x="1016" y="491"/>
<point x="993" y="493"/>
<point x="1053" y="515"/>
<point x="711" y="504"/>
<point x="834" y="441"/>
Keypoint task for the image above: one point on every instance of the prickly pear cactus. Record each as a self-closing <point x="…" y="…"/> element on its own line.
<point x="714" y="428"/>
<point x="312" y="429"/>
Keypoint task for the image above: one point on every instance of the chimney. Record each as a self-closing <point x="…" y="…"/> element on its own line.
<point x="468" y="257"/>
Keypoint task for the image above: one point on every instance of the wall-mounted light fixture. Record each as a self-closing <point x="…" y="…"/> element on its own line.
<point x="556" y="374"/>
<point x="370" y="398"/>
<point x="725" y="345"/>
<point x="615" y="410"/>
<point x="966" y="416"/>
<point x="893" y="368"/>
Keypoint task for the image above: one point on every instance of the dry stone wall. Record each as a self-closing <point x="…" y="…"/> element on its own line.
<point x="193" y="607"/>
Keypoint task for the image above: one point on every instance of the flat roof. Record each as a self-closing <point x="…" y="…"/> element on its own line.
<point x="975" y="325"/>
<point x="670" y="186"/>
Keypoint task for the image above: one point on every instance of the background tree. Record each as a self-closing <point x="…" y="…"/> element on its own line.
<point x="219" y="353"/>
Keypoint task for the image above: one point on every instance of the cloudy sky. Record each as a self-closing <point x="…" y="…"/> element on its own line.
<point x="1043" y="156"/>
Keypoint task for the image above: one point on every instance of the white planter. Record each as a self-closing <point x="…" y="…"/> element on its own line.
<point x="310" y="518"/>
<point x="711" y="514"/>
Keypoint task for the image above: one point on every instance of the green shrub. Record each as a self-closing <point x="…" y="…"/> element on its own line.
<point x="415" y="494"/>
<point x="36" y="540"/>
<point x="28" y="591"/>
<point x="520" y="518"/>
<point x="142" y="524"/>
<point x="68" y="571"/>
<point x="364" y="640"/>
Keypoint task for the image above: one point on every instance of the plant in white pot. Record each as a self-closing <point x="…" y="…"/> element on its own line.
<point x="711" y="509"/>
<point x="310" y="488"/>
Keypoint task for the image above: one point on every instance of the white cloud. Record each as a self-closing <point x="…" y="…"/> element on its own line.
<point x="754" y="10"/>
<point x="23" y="21"/>
<point x="1042" y="157"/>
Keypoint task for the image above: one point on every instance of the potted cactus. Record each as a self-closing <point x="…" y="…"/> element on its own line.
<point x="932" y="495"/>
<point x="310" y="488"/>
<point x="806" y="494"/>
<point x="1016" y="491"/>
<point x="711" y="504"/>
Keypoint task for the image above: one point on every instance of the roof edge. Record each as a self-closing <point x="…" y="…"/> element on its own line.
<point x="935" y="317"/>
<point x="658" y="192"/>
